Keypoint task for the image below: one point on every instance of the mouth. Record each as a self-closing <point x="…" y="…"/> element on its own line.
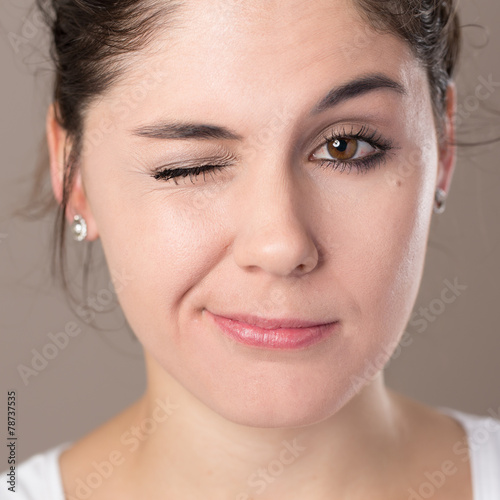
<point x="284" y="333"/>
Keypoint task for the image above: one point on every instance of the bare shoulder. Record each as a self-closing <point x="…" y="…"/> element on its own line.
<point x="437" y="445"/>
<point x="94" y="465"/>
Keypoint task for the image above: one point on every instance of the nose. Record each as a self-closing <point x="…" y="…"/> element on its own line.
<point x="273" y="233"/>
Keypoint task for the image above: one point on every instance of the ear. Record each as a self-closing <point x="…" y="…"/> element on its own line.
<point x="447" y="148"/>
<point x="59" y="147"/>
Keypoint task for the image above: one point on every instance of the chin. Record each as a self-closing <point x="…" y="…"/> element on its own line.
<point x="280" y="415"/>
<point x="276" y="405"/>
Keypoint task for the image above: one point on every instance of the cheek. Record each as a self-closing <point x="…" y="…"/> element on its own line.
<point x="166" y="243"/>
<point x="384" y="256"/>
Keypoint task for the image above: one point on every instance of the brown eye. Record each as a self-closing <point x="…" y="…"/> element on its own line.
<point x="342" y="149"/>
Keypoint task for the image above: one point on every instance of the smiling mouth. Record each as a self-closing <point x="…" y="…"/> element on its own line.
<point x="284" y="333"/>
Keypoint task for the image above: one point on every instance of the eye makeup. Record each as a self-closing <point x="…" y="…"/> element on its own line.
<point x="357" y="147"/>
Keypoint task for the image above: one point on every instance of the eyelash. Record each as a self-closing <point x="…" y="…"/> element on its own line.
<point x="174" y="173"/>
<point x="362" y="165"/>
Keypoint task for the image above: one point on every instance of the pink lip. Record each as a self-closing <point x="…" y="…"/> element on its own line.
<point x="273" y="333"/>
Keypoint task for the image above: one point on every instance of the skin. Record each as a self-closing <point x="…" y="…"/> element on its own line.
<point x="272" y="235"/>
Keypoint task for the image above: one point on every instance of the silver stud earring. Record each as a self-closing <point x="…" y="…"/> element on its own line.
<point x="439" y="201"/>
<point x="79" y="228"/>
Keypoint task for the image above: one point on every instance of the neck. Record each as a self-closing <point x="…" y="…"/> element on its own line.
<point x="192" y="451"/>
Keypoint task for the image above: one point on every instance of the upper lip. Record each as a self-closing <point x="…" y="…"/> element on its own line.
<point x="270" y="323"/>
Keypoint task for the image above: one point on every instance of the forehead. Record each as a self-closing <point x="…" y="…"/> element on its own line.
<point x="253" y="53"/>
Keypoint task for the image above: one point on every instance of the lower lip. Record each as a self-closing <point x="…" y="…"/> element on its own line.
<point x="280" y="338"/>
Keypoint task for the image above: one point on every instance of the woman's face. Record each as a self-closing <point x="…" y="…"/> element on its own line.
<point x="278" y="232"/>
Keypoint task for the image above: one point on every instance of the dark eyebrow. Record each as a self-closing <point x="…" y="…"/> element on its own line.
<point x="357" y="88"/>
<point x="180" y="130"/>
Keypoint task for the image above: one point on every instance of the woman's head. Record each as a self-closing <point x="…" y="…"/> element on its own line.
<point x="323" y="120"/>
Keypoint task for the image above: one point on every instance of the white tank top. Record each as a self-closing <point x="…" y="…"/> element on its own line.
<point x="39" y="478"/>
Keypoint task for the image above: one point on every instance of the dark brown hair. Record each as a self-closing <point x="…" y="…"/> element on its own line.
<point x="90" y="39"/>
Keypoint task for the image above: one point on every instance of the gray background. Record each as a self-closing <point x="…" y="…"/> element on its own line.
<point x="451" y="358"/>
